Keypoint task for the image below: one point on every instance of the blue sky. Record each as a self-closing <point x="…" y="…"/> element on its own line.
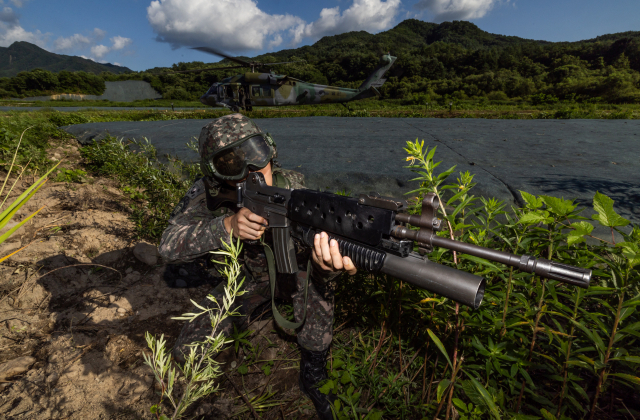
<point x="142" y="34"/>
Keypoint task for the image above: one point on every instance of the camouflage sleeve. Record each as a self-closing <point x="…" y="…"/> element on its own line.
<point x="193" y="230"/>
<point x="295" y="178"/>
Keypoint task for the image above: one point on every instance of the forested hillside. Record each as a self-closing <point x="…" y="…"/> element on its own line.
<point x="24" y="56"/>
<point x="451" y="60"/>
<point x="441" y="62"/>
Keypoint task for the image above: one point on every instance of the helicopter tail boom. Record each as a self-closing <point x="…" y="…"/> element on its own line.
<point x="375" y="79"/>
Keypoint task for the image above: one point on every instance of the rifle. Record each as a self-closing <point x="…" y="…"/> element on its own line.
<point x="372" y="231"/>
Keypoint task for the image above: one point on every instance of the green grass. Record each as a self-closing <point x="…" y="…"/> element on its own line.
<point x="391" y="108"/>
<point x="102" y="103"/>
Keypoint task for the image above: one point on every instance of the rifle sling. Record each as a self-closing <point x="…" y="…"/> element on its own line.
<point x="272" y="281"/>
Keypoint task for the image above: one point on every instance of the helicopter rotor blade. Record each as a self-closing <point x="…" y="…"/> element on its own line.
<point x="214" y="51"/>
<point x="207" y="69"/>
<point x="284" y="62"/>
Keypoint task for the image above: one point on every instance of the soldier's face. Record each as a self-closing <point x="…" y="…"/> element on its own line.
<point x="266" y="171"/>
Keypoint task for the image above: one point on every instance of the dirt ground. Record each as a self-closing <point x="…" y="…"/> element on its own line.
<point x="76" y="303"/>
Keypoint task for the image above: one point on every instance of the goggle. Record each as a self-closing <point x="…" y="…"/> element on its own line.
<point x="234" y="161"/>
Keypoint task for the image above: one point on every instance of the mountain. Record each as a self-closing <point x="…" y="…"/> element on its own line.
<point x="24" y="56"/>
<point x="411" y="35"/>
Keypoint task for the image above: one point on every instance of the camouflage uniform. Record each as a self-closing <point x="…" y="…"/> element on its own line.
<point x="194" y="230"/>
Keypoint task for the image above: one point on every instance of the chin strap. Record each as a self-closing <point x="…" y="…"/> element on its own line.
<point x="272" y="280"/>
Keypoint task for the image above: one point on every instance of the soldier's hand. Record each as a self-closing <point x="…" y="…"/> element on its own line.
<point x="327" y="255"/>
<point x="246" y="225"/>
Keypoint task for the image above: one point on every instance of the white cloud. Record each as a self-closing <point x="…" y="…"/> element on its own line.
<point x="241" y="25"/>
<point x="456" y="9"/>
<point x="11" y="31"/>
<point x="119" y="42"/>
<point x="277" y="40"/>
<point x="100" y="51"/>
<point x="72" y="42"/>
<point x="98" y="34"/>
<point x="18" y="3"/>
<point x="7" y="15"/>
<point x="367" y="15"/>
<point x="230" y="25"/>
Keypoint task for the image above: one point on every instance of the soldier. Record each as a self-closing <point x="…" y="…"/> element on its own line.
<point x="241" y="98"/>
<point x="230" y="147"/>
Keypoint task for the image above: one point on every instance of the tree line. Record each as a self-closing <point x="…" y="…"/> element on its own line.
<point x="453" y="60"/>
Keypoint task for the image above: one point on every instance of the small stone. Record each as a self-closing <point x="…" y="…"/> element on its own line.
<point x="15" y="367"/>
<point x="128" y="270"/>
<point x="234" y="364"/>
<point x="180" y="283"/>
<point x="16" y="325"/>
<point x="183" y="272"/>
<point x="146" y="253"/>
<point x="111" y="257"/>
<point x="52" y="378"/>
<point x="121" y="311"/>
<point x="112" y="298"/>
<point x="57" y="156"/>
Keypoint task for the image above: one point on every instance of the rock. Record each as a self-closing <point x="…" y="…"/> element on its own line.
<point x="183" y="272"/>
<point x="111" y="257"/>
<point x="146" y="253"/>
<point x="121" y="311"/>
<point x="16" y="325"/>
<point x="52" y="378"/>
<point x="112" y="298"/>
<point x="15" y="367"/>
<point x="180" y="283"/>
<point x="128" y="270"/>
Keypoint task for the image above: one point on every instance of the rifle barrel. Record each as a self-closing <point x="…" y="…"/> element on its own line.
<point x="576" y="276"/>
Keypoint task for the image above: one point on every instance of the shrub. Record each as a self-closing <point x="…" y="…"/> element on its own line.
<point x="498" y="96"/>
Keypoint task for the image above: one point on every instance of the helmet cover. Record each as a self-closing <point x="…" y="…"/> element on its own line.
<point x="222" y="132"/>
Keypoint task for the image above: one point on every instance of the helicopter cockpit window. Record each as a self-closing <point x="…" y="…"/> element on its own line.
<point x="266" y="91"/>
<point x="255" y="90"/>
<point x="220" y="92"/>
<point x="229" y="92"/>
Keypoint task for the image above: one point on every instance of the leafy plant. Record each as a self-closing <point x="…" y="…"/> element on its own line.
<point x="71" y="175"/>
<point x="7" y="214"/>
<point x="197" y="376"/>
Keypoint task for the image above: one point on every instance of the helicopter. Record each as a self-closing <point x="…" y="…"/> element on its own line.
<point x="269" y="89"/>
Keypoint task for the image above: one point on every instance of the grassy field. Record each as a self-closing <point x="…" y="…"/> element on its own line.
<point x="387" y="108"/>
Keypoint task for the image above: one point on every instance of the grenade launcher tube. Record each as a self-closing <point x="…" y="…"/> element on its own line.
<point x="457" y="285"/>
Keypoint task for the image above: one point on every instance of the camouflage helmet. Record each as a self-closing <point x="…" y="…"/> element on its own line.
<point x="225" y="133"/>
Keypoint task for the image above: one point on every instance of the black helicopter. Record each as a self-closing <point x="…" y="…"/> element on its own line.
<point x="269" y="89"/>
